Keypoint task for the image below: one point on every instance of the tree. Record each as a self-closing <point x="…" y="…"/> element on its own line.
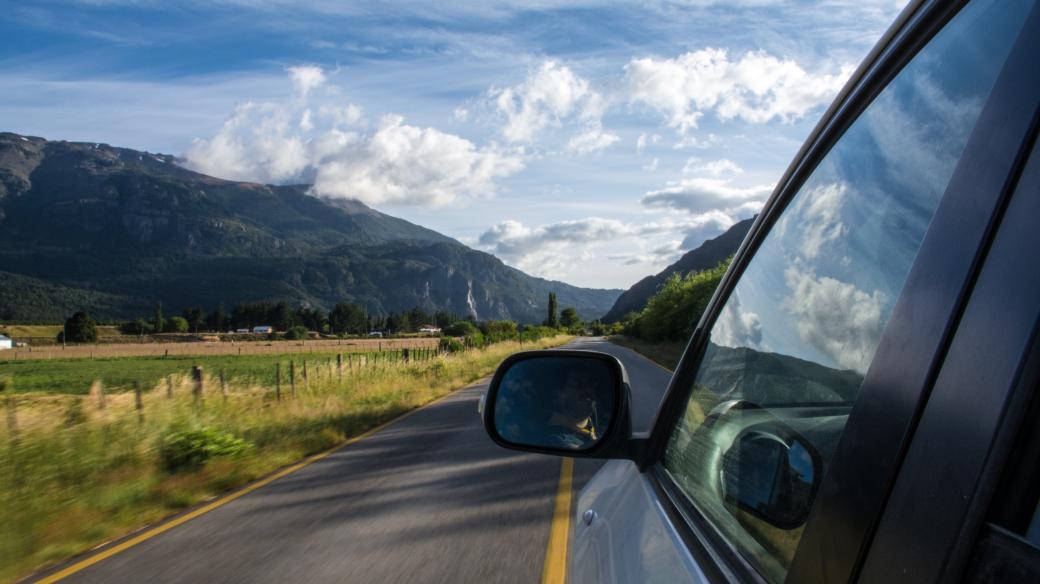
<point x="347" y="317"/>
<point x="671" y="314"/>
<point x="552" y="320"/>
<point x="217" y="320"/>
<point x="79" y="328"/>
<point x="157" y="320"/>
<point x="135" y="327"/>
<point x="460" y="328"/>
<point x="176" y="324"/>
<point x="569" y="318"/>
<point x="195" y="318"/>
<point x="282" y="317"/>
<point x="297" y="333"/>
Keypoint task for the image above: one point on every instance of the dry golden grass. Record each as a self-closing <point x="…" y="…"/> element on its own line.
<point x="81" y="469"/>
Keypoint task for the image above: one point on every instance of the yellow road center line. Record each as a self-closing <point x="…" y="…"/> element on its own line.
<point x="555" y="569"/>
<point x="164" y="527"/>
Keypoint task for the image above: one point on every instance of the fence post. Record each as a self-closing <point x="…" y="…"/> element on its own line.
<point x="196" y="375"/>
<point x="223" y="385"/>
<point x="101" y="394"/>
<point x="169" y="387"/>
<point x="292" y="378"/>
<point x="404" y="355"/>
<point x="339" y="364"/>
<point x="138" y="404"/>
<point x="278" y="381"/>
<point x="306" y="380"/>
<point x="12" y="420"/>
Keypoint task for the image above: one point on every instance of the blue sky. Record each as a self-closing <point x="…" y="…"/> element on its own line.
<point x="587" y="142"/>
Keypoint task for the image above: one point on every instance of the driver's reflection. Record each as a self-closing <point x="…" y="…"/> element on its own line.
<point x="573" y="422"/>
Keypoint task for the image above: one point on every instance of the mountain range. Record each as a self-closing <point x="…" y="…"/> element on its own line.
<point x="114" y="230"/>
<point x="707" y="255"/>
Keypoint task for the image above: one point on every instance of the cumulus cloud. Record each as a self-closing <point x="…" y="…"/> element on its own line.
<point x="550" y="250"/>
<point x="397" y="163"/>
<point x="736" y="326"/>
<point x="699" y="195"/>
<point x="409" y="165"/>
<point x="306" y="78"/>
<point x="756" y="87"/>
<point x="837" y="318"/>
<point x="817" y="217"/>
<point x="548" y="97"/>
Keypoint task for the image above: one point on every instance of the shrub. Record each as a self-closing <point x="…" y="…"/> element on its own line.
<point x="190" y="449"/>
<point x="451" y="345"/>
<point x="460" y="328"/>
<point x="176" y="324"/>
<point x="297" y="333"/>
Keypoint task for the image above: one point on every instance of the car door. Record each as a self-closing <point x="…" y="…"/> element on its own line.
<point x="787" y="422"/>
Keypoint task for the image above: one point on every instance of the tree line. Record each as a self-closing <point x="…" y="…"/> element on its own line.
<point x="345" y="318"/>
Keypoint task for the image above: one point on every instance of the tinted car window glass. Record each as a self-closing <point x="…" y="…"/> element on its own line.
<point x="790" y="348"/>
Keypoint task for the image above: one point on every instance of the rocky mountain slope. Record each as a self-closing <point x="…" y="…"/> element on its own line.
<point x="120" y="229"/>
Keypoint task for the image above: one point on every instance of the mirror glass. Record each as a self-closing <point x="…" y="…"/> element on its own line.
<point x="770" y="477"/>
<point x="564" y="403"/>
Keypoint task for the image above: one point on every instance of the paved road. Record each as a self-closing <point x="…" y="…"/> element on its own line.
<point x="427" y="499"/>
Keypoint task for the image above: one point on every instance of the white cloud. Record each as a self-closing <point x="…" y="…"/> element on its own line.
<point x="652" y="165"/>
<point x="715" y="168"/>
<point x="306" y="78"/>
<point x="737" y="327"/>
<point x="397" y="163"/>
<point x="408" y="165"/>
<point x="591" y="139"/>
<point x="837" y="318"/>
<point x="549" y="96"/>
<point x="646" y="139"/>
<point x="699" y="195"/>
<point x="461" y="114"/>
<point x="817" y="217"/>
<point x="550" y="250"/>
<point x="757" y="87"/>
<point x="341" y="116"/>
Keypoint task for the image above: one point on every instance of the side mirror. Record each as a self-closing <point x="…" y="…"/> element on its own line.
<point x="773" y="474"/>
<point x="571" y="403"/>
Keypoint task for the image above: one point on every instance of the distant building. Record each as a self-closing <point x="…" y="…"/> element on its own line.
<point x="375" y="334"/>
<point x="242" y="330"/>
<point x="6" y="343"/>
<point x="430" y="328"/>
<point x="263" y="329"/>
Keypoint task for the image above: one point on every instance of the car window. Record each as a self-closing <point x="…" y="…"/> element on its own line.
<point x="789" y="350"/>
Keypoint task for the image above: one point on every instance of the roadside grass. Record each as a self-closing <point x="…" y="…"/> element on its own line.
<point x="665" y="354"/>
<point x="118" y="374"/>
<point x="49" y="330"/>
<point x="79" y="470"/>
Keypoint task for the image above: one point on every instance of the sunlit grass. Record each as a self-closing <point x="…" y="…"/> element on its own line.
<point x="78" y="470"/>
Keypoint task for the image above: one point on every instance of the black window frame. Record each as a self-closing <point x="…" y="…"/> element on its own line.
<point x="914" y="342"/>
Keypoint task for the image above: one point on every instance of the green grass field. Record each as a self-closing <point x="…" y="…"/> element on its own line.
<point x="118" y="374"/>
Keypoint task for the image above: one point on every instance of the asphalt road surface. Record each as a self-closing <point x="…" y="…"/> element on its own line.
<point x="427" y="499"/>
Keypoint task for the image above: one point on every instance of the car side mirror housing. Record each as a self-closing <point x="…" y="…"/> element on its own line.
<point x="568" y="403"/>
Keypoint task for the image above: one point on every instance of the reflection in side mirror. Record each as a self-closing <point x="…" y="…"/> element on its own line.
<point x="772" y="477"/>
<point x="554" y="401"/>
